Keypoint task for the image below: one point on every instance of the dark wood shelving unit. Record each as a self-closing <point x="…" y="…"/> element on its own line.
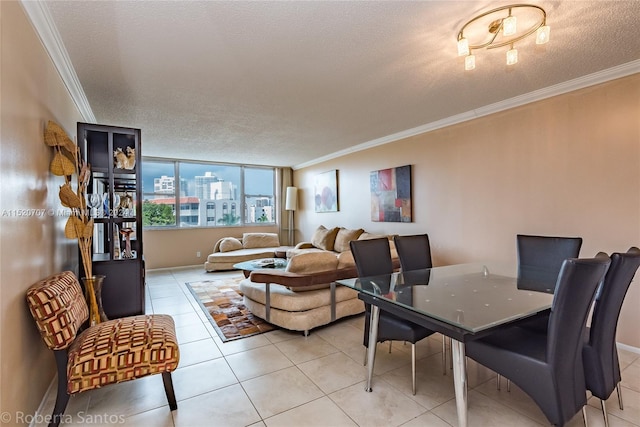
<point x="124" y="284"/>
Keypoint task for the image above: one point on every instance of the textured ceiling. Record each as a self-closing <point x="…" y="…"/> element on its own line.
<point x="285" y="83"/>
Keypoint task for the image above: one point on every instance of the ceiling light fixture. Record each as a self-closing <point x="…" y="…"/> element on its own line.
<point x="499" y="27"/>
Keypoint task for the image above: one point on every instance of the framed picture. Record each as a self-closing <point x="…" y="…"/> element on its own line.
<point x="391" y="194"/>
<point x="326" y="191"/>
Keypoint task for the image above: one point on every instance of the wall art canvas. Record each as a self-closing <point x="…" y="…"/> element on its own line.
<point x="326" y="191"/>
<point x="391" y="194"/>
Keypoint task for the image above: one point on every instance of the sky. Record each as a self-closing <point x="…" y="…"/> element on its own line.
<point x="258" y="181"/>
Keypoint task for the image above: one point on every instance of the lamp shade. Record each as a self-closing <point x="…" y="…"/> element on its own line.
<point x="291" y="200"/>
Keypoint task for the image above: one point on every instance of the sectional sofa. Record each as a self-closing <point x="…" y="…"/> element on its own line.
<point x="302" y="296"/>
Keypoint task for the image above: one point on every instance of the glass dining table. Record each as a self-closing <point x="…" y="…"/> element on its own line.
<point x="464" y="302"/>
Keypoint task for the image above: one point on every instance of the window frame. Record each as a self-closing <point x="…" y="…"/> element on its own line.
<point x="240" y="203"/>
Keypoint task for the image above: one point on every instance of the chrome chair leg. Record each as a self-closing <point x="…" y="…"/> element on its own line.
<point x="604" y="413"/>
<point x="584" y="416"/>
<point x="444" y="355"/>
<point x="619" y="391"/>
<point x="366" y="349"/>
<point x="498" y="378"/>
<point x="451" y="353"/>
<point x="390" y="342"/>
<point x="413" y="367"/>
<point x="508" y="385"/>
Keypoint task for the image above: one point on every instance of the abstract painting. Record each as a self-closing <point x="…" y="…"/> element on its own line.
<point x="326" y="191"/>
<point x="391" y="194"/>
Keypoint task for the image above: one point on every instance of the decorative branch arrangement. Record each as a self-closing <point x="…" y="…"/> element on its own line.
<point x="67" y="162"/>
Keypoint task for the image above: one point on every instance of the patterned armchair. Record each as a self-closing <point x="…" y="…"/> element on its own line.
<point x="108" y="353"/>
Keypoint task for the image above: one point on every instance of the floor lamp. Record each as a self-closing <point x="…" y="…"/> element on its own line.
<point x="291" y="203"/>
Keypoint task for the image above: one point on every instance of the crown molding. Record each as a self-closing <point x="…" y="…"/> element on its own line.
<point x="42" y="22"/>
<point x="603" y="76"/>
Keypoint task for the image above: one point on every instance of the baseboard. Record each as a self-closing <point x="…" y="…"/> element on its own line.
<point x="621" y="346"/>
<point x="182" y="267"/>
<point x="39" y="415"/>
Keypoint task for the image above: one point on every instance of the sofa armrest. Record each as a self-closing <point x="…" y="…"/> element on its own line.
<point x="300" y="280"/>
<point x="216" y="247"/>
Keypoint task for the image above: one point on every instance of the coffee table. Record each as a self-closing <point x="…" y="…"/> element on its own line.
<point x="258" y="264"/>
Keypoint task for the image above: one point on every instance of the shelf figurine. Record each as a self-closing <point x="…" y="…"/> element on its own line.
<point x="125" y="160"/>
<point x="126" y="232"/>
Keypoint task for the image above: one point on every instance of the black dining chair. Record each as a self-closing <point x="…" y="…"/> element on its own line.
<point x="373" y="258"/>
<point x="548" y="367"/>
<point x="540" y="259"/>
<point x="600" y="356"/>
<point x="414" y="251"/>
<point x="415" y="254"/>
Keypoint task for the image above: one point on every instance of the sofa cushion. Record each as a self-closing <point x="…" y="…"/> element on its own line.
<point x="295" y="252"/>
<point x="230" y="244"/>
<point x="260" y="240"/>
<point x="313" y="262"/>
<point x="345" y="260"/>
<point x="324" y="238"/>
<point x="307" y="319"/>
<point x="240" y="255"/>
<point x="343" y="238"/>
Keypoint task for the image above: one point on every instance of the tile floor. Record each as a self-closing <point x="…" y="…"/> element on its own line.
<point x="284" y="379"/>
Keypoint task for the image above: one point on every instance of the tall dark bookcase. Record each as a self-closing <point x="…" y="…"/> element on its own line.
<point x="114" y="196"/>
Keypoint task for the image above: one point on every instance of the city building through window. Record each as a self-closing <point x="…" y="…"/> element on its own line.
<point x="206" y="194"/>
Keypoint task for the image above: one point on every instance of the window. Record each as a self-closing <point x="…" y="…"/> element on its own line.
<point x="158" y="194"/>
<point x="206" y="194"/>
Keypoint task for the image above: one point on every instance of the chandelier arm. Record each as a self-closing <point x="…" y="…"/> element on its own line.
<point x="508" y="42"/>
<point x="487" y="44"/>
<point x="515" y="39"/>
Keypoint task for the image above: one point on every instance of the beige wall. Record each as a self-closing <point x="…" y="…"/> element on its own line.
<point x="175" y="248"/>
<point x="30" y="247"/>
<point x="568" y="165"/>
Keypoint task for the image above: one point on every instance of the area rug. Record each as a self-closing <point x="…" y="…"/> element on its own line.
<point x="221" y="300"/>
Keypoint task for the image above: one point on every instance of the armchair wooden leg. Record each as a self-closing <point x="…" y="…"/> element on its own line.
<point x="168" y="389"/>
<point x="63" y="397"/>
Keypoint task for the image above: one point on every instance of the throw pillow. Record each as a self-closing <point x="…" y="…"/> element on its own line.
<point x="260" y="240"/>
<point x="324" y="238"/>
<point x="230" y="244"/>
<point x="392" y="244"/>
<point x="367" y="236"/>
<point x="343" y="238"/>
